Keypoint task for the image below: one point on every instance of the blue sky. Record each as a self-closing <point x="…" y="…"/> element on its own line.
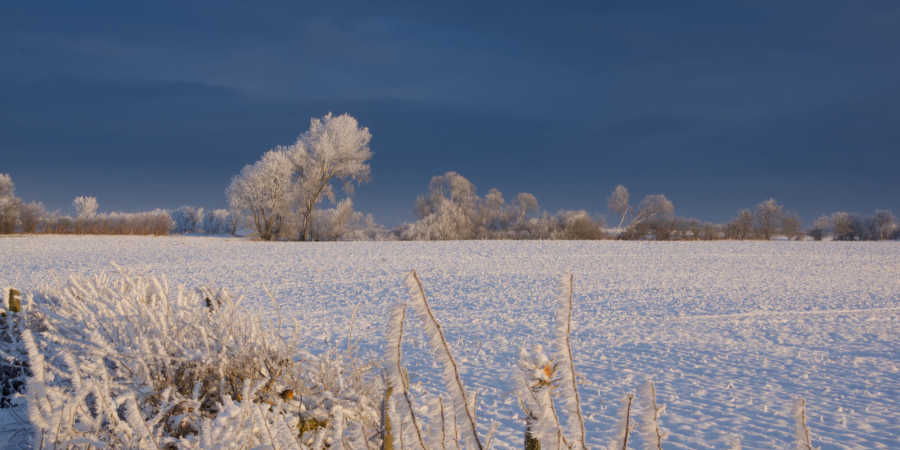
<point x="718" y="105"/>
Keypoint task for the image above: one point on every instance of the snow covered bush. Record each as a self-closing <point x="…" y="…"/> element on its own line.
<point x="343" y="223"/>
<point x="130" y="362"/>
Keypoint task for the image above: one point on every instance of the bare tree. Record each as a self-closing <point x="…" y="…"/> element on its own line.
<point x="334" y="148"/>
<point x="741" y="226"/>
<point x="883" y="224"/>
<point x="791" y="225"/>
<point x="842" y="224"/>
<point x="618" y="203"/>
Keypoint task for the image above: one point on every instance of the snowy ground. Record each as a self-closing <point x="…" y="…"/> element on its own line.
<point x="730" y="332"/>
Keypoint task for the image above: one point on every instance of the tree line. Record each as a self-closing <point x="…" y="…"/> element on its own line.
<point x="17" y="216"/>
<point x="302" y="191"/>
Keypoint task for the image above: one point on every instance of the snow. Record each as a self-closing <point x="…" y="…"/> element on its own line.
<point x="731" y="333"/>
<point x="14" y="429"/>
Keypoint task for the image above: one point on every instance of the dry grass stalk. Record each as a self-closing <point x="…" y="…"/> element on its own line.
<point x="624" y="424"/>
<point x="564" y="342"/>
<point x="451" y="370"/>
<point x="804" y="441"/>
<point x="396" y="378"/>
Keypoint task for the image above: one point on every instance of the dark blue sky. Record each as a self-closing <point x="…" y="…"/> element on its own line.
<point x="718" y="105"/>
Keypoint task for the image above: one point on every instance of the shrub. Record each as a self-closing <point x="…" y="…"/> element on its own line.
<point x="129" y="362"/>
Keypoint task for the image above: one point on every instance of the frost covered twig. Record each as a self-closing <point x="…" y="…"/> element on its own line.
<point x="441" y="349"/>
<point x="624" y="426"/>
<point x="566" y="364"/>
<point x="653" y="433"/>
<point x="396" y="382"/>
<point x="802" y="436"/>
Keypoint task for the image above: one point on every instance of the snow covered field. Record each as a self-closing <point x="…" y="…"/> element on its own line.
<point x="730" y="332"/>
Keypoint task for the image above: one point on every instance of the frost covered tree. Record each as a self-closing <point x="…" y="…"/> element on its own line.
<point x="527" y="204"/>
<point x="188" y="219"/>
<point x="216" y="221"/>
<point x="768" y="218"/>
<point x="578" y="225"/>
<point x="820" y="227"/>
<point x="883" y="224"/>
<point x="343" y="223"/>
<point x="450" y="187"/>
<point x="262" y="192"/>
<point x="85" y="214"/>
<point x="493" y="215"/>
<point x="7" y="187"/>
<point x="9" y="205"/>
<point x="447" y="211"/>
<point x="287" y="187"/>
<point x="618" y="203"/>
<point x="31" y="215"/>
<point x="655" y="216"/>
<point x="85" y="207"/>
<point x="741" y="227"/>
<point x="654" y="208"/>
<point x="842" y="225"/>
<point x="791" y="226"/>
<point x="335" y="148"/>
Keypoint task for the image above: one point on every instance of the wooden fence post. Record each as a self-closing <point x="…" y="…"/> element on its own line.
<point x="15" y="300"/>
